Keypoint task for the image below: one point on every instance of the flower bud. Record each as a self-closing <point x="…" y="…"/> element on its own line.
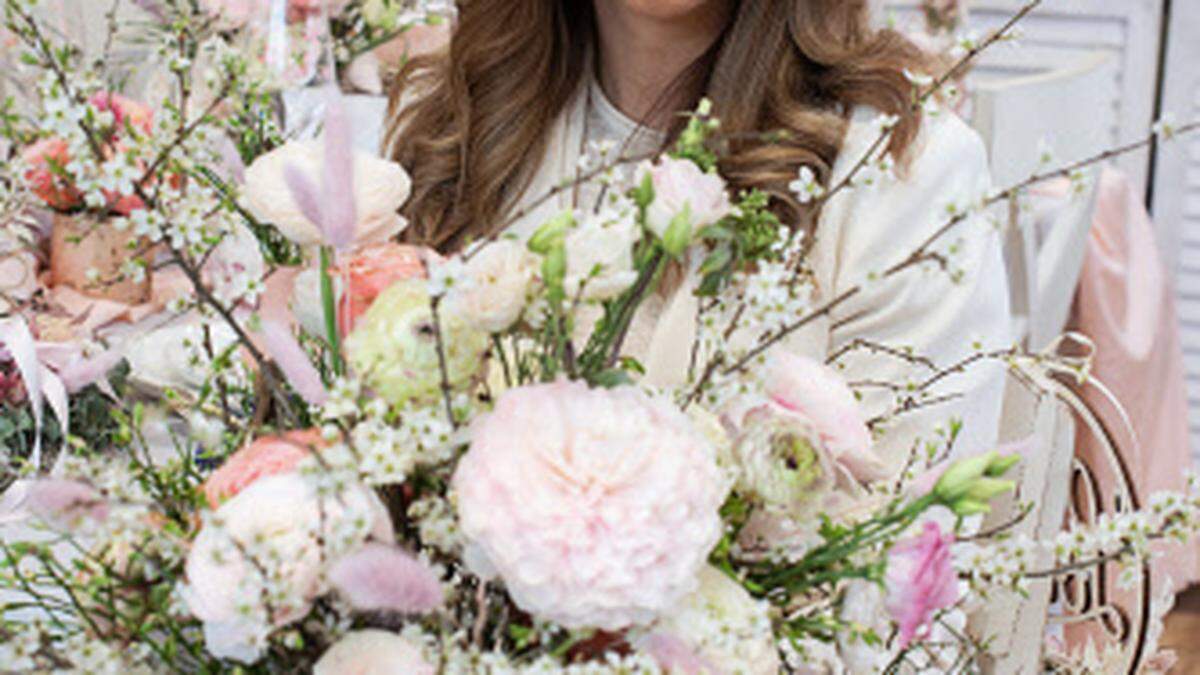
<point x="678" y="236"/>
<point x="552" y="234"/>
<point x="957" y="481"/>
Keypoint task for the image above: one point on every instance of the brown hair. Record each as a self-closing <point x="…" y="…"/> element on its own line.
<point x="475" y="135"/>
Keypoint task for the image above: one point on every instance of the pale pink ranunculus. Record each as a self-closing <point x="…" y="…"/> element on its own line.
<point x="293" y="533"/>
<point x="920" y="581"/>
<point x="597" y="507"/>
<point x="373" y="652"/>
<point x="267" y="456"/>
<point x="679" y="184"/>
<point x="383" y="577"/>
<point x="805" y="387"/>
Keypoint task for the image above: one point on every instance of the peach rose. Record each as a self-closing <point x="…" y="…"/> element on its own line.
<point x="371" y="272"/>
<point x="46" y="159"/>
<point x="267" y="456"/>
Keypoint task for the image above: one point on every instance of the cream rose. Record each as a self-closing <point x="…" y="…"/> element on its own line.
<point x="497" y="288"/>
<point x="600" y="258"/>
<point x="380" y="189"/>
<point x="281" y="526"/>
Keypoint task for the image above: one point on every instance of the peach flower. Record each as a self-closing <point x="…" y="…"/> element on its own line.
<point x="126" y="111"/>
<point x="370" y="272"/>
<point x="267" y="456"/>
<point x="597" y="507"/>
<point x="46" y="159"/>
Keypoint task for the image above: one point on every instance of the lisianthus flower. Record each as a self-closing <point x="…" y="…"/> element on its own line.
<point x="373" y="652"/>
<point x="920" y="581"/>
<point x="684" y="196"/>
<point x="394" y="346"/>
<point x="267" y="456"/>
<point x="596" y="507"/>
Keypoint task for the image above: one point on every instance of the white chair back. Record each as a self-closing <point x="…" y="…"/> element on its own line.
<point x="1062" y="105"/>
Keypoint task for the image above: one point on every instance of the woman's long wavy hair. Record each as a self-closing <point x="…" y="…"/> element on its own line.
<point x="475" y="134"/>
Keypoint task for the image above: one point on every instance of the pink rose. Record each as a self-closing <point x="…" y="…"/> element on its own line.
<point x="812" y="390"/>
<point x="920" y="581"/>
<point x="126" y="112"/>
<point x="267" y="456"/>
<point x="679" y="186"/>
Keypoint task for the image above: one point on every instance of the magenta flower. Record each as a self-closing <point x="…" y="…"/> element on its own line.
<point x="920" y="581"/>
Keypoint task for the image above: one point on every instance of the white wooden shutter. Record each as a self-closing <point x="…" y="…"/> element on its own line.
<point x="1064" y="30"/>
<point x="1177" y="189"/>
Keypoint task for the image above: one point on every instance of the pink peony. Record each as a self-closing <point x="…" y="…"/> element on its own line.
<point x="920" y="581"/>
<point x="267" y="456"/>
<point x="373" y="652"/>
<point x="597" y="507"/>
<point x="810" y="389"/>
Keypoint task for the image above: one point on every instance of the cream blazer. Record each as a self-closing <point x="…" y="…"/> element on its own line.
<point x="864" y="230"/>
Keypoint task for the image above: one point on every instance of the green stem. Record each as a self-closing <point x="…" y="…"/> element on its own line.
<point x="329" y="302"/>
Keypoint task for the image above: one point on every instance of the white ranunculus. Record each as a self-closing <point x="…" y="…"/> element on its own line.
<point x="727" y="629"/>
<point x="380" y="189"/>
<point x="373" y="652"/>
<point x="281" y="525"/>
<point x="498" y="278"/>
<point x="600" y="258"/>
<point x="680" y="185"/>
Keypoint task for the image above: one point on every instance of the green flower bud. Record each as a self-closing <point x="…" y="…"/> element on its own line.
<point x="1002" y="464"/>
<point x="552" y="234"/>
<point x="986" y="489"/>
<point x="957" y="481"/>
<point x="678" y="236"/>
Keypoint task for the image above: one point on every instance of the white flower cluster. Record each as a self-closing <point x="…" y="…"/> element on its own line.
<point x="382" y="451"/>
<point x="1125" y="538"/>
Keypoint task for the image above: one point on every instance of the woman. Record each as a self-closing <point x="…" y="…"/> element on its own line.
<point x="491" y="124"/>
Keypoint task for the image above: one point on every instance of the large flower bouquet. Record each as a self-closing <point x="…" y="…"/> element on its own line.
<point x="324" y="449"/>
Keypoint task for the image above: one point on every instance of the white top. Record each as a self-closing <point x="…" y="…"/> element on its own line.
<point x="861" y="230"/>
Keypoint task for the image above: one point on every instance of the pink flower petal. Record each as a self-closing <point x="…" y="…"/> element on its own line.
<point x="920" y="581"/>
<point x="383" y="577"/>
<point x="293" y="361"/>
<point x="338" y="180"/>
<point x="64" y="502"/>
<point x="305" y="193"/>
<point x="674" y="655"/>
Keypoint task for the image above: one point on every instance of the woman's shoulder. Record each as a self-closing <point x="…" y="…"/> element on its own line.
<point x="944" y="143"/>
